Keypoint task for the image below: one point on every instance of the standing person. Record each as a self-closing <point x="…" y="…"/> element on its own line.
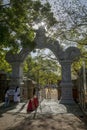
<point x="33" y="102"/>
<point x="7" y="97"/>
<point x="17" y="95"/>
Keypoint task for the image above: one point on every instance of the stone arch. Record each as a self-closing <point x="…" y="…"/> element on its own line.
<point x="65" y="58"/>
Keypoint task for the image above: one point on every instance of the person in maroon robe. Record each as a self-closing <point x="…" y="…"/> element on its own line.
<point x="31" y="106"/>
<point x="33" y="102"/>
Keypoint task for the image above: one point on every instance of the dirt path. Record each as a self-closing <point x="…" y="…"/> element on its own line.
<point x="45" y="122"/>
<point x="23" y="121"/>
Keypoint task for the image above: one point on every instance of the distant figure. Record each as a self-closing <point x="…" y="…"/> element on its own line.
<point x="7" y="97"/>
<point x="17" y="95"/>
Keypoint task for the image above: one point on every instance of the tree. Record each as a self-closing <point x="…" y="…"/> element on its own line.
<point x="71" y="28"/>
<point x="72" y="20"/>
<point x="42" y="70"/>
<point x="17" y="19"/>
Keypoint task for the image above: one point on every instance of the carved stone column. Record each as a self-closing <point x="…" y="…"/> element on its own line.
<point x="66" y="59"/>
<point x="16" y="61"/>
<point x="66" y="83"/>
<point x="17" y="73"/>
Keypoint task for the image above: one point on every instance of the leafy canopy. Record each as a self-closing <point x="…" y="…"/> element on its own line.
<point x="17" y="19"/>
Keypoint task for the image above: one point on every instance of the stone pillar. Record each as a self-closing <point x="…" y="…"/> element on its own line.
<point x="17" y="73"/>
<point x="16" y="61"/>
<point x="66" y="83"/>
<point x="66" y="58"/>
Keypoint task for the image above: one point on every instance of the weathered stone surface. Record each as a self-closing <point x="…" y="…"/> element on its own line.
<point x="16" y="61"/>
<point x="65" y="57"/>
<point x="70" y="54"/>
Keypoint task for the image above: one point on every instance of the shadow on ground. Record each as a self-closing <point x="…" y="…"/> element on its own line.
<point x="4" y="109"/>
<point x="53" y="122"/>
<point x="74" y="119"/>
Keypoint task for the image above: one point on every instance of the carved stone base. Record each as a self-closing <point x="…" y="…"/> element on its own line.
<point x="66" y="94"/>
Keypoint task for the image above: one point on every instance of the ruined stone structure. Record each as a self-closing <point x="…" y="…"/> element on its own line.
<point x="65" y="58"/>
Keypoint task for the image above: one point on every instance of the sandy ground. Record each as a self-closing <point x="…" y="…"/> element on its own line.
<point x="21" y="121"/>
<point x="25" y="121"/>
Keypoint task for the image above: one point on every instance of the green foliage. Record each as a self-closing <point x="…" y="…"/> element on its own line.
<point x="3" y="64"/>
<point x="17" y="20"/>
<point x="41" y="70"/>
<point x="76" y="66"/>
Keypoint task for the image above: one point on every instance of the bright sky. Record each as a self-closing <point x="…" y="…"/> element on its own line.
<point x="46" y="52"/>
